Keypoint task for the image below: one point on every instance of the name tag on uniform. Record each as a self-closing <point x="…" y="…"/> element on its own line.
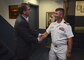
<point x="61" y="28"/>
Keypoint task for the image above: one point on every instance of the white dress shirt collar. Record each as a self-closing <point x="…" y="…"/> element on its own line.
<point x="26" y="18"/>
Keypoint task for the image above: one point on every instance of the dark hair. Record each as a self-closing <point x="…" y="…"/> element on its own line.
<point x="60" y="9"/>
<point x="23" y="7"/>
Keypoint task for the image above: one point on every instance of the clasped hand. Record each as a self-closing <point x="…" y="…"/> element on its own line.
<point x="40" y="38"/>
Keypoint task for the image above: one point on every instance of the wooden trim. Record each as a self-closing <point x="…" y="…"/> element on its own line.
<point x="66" y="8"/>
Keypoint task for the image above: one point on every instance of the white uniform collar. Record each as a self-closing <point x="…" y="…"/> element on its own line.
<point x="62" y="21"/>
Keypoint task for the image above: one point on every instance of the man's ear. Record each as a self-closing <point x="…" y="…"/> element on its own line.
<point x="61" y="15"/>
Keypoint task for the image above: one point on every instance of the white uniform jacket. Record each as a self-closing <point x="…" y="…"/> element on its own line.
<point x="60" y="32"/>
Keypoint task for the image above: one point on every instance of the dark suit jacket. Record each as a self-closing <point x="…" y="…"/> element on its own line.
<point x="25" y="38"/>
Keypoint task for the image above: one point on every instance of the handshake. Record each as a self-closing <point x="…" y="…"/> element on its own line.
<point x="40" y="37"/>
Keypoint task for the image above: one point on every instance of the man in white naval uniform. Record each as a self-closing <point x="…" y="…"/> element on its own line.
<point x="61" y="35"/>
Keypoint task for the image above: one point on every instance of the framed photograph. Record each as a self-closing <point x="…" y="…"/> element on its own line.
<point x="79" y="10"/>
<point x="49" y="18"/>
<point x="13" y="11"/>
<point x="82" y="9"/>
<point x="79" y="7"/>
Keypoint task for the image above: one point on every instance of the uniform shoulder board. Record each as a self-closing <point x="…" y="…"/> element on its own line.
<point x="66" y="23"/>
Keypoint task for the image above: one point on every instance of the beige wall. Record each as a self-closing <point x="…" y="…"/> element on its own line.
<point x="35" y="2"/>
<point x="4" y="11"/>
<point x="46" y="6"/>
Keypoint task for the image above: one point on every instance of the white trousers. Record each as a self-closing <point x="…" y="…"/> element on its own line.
<point x="57" y="55"/>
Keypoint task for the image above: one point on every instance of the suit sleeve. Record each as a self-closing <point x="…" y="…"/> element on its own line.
<point x="24" y="32"/>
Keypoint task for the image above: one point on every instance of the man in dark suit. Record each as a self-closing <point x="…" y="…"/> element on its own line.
<point x="24" y="33"/>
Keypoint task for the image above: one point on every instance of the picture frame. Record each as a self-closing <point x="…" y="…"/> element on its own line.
<point x="13" y="11"/>
<point x="49" y="18"/>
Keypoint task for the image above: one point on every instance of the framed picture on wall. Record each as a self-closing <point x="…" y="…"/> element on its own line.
<point x="79" y="9"/>
<point x="49" y="18"/>
<point x="13" y="11"/>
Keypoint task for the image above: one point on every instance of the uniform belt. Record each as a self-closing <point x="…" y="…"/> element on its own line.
<point x="55" y="45"/>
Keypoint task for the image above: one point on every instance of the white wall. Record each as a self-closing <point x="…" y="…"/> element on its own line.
<point x="4" y="11"/>
<point x="46" y="6"/>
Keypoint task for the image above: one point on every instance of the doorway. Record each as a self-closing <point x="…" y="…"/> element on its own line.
<point x="34" y="17"/>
